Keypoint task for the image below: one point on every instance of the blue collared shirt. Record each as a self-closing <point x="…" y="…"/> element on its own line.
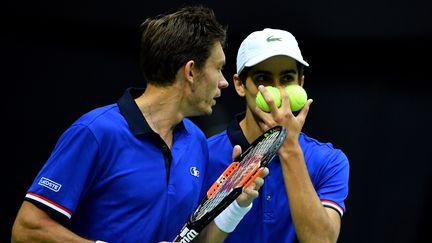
<point x="113" y="179"/>
<point x="270" y="218"/>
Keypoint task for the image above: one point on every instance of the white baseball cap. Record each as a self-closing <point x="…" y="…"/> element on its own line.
<point x="260" y="45"/>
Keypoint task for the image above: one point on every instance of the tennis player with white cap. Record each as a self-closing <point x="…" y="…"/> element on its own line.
<point x="303" y="196"/>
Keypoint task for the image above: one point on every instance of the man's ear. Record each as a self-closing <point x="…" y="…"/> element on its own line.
<point x="239" y="86"/>
<point x="301" y="80"/>
<point x="188" y="71"/>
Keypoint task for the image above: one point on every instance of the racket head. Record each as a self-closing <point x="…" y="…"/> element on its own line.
<point x="230" y="185"/>
<point x="277" y="134"/>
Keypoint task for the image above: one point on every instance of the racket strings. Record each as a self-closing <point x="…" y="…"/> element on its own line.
<point x="263" y="151"/>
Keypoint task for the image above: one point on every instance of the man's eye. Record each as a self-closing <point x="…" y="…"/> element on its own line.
<point x="262" y="79"/>
<point x="286" y="79"/>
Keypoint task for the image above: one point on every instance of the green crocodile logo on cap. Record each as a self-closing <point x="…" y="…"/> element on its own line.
<point x="271" y="38"/>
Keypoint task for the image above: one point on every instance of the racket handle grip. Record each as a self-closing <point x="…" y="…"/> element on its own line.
<point x="186" y="235"/>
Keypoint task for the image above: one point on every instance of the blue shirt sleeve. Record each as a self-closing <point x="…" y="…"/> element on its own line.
<point x="332" y="186"/>
<point x="66" y="176"/>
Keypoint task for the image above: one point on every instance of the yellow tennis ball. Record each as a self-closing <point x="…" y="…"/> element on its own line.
<point x="262" y="104"/>
<point x="297" y="96"/>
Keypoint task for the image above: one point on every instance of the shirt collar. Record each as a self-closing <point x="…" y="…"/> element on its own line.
<point x="133" y="115"/>
<point x="235" y="134"/>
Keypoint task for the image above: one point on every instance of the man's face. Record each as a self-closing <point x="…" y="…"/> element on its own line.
<point x="210" y="82"/>
<point x="275" y="71"/>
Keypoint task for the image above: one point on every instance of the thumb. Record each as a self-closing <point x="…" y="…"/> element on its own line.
<point x="236" y="152"/>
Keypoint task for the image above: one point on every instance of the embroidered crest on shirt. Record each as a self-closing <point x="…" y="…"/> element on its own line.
<point x="52" y="185"/>
<point x="194" y="171"/>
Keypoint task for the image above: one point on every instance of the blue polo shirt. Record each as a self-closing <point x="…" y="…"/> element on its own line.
<point x="113" y="179"/>
<point x="270" y="218"/>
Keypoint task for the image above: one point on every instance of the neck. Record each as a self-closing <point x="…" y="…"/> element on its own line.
<point x="250" y="127"/>
<point x="161" y="109"/>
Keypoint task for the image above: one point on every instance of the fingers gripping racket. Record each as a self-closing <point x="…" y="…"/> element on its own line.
<point x="231" y="183"/>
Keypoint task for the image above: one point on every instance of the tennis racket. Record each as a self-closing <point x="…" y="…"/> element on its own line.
<point x="231" y="183"/>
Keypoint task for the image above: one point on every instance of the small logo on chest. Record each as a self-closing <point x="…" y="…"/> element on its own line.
<point x="194" y="171"/>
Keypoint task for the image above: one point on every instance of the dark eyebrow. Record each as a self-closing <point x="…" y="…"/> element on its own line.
<point x="260" y="72"/>
<point x="285" y="72"/>
<point x="290" y="71"/>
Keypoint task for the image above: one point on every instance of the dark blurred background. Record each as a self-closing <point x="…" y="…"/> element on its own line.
<point x="369" y="76"/>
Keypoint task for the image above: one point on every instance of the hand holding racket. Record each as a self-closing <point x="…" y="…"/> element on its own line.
<point x="233" y="181"/>
<point x="251" y="192"/>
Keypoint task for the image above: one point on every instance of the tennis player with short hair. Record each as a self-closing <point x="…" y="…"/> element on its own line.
<point x="132" y="171"/>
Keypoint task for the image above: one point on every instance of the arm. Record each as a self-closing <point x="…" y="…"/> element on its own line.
<point x="35" y="225"/>
<point x="312" y="221"/>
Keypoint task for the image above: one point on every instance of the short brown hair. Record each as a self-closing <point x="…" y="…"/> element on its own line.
<point x="169" y="41"/>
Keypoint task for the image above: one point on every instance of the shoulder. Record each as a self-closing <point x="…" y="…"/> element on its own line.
<point x="328" y="166"/>
<point x="218" y="138"/>
<point x="102" y="122"/>
<point x="220" y="147"/>
<point x="321" y="150"/>
<point x="105" y="115"/>
<point x="193" y="129"/>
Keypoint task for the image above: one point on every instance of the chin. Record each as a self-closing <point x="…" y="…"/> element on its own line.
<point x="204" y="111"/>
<point x="209" y="111"/>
